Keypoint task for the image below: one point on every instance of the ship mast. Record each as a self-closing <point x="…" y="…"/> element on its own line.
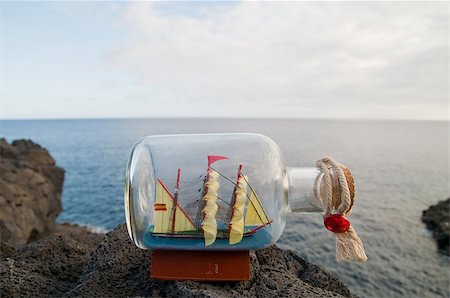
<point x="233" y="198"/>
<point x="209" y="223"/>
<point x="236" y="223"/>
<point x="201" y="204"/>
<point x="175" y="203"/>
<point x="206" y="217"/>
<point x="169" y="217"/>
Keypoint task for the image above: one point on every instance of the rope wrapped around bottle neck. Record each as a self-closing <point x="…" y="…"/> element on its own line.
<point x="337" y="201"/>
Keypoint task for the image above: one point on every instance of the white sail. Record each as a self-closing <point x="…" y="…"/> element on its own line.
<point x="236" y="230"/>
<point x="209" y="223"/>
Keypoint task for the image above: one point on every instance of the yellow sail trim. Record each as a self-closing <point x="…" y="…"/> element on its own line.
<point x="209" y="223"/>
<point x="255" y="213"/>
<point x="237" y="220"/>
<point x="162" y="218"/>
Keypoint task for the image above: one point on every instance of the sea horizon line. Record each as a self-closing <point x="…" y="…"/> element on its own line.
<point x="227" y="119"/>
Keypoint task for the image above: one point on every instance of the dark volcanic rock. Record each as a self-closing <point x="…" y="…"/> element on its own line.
<point x="46" y="268"/>
<point x="437" y="218"/>
<point x="30" y="191"/>
<point x="73" y="265"/>
<point x="119" y="268"/>
<point x="5" y="249"/>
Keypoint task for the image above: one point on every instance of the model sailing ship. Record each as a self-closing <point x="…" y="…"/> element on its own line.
<point x="171" y="220"/>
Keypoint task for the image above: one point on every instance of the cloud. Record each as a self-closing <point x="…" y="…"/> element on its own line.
<point x="290" y="59"/>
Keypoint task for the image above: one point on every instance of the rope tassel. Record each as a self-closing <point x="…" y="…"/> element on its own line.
<point x="336" y="194"/>
<point x="349" y="247"/>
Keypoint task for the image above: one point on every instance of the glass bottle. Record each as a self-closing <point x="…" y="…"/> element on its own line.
<point x="213" y="192"/>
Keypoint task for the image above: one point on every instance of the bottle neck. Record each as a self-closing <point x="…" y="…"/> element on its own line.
<point x="301" y="184"/>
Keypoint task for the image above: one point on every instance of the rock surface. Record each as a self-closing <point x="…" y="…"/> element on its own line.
<point x="437" y="218"/>
<point x="72" y="265"/>
<point x="30" y="192"/>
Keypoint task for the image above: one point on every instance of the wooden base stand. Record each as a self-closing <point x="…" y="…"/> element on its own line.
<point x="200" y="265"/>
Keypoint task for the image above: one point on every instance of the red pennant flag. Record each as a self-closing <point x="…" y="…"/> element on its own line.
<point x="214" y="158"/>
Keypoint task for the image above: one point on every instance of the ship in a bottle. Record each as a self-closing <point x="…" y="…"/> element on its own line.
<point x="243" y="224"/>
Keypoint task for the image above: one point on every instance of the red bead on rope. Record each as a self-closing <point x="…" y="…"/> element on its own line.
<point x="336" y="223"/>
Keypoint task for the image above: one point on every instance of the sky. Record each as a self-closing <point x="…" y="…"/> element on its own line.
<point x="356" y="60"/>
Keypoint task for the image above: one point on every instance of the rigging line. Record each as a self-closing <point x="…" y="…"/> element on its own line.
<point x="235" y="184"/>
<point x="192" y="181"/>
<point x="198" y="217"/>
<point x="251" y="202"/>
<point x="188" y="189"/>
<point x="186" y="184"/>
<point x="229" y="180"/>
<point x="223" y="175"/>
<point x="224" y="201"/>
<point x="196" y="179"/>
<point x="251" y="188"/>
<point x="245" y="194"/>
<point x="181" y="182"/>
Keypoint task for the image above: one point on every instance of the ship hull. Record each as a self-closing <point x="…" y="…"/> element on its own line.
<point x="252" y="239"/>
<point x="196" y="234"/>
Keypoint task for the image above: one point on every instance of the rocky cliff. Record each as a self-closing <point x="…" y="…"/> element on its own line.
<point x="437" y="219"/>
<point x="30" y="192"/>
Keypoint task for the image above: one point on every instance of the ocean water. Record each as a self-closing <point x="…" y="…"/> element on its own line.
<point x="400" y="168"/>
